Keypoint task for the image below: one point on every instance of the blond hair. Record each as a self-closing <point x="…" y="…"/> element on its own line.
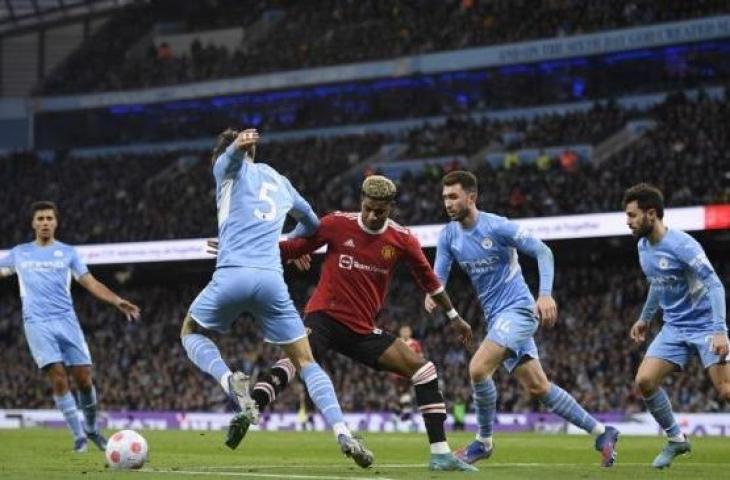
<point x="379" y="187"/>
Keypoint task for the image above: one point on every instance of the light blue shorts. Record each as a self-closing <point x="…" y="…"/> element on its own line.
<point x="261" y="293"/>
<point x="57" y="341"/>
<point x="515" y="330"/>
<point x="677" y="345"/>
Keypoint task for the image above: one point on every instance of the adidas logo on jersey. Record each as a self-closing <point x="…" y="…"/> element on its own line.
<point x="349" y="243"/>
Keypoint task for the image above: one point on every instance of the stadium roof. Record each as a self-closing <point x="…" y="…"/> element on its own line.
<point x="24" y="14"/>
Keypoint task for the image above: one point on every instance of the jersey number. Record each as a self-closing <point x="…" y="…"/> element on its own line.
<point x="266" y="189"/>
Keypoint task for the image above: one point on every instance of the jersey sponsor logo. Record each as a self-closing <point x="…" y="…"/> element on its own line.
<point x="58" y="253"/>
<point x="388" y="252"/>
<point x="488" y="264"/>
<point x="487" y="243"/>
<point x="42" y="265"/>
<point x="348" y="262"/>
<point x="349" y="243"/>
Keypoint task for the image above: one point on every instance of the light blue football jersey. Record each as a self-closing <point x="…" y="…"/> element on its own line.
<point x="682" y="282"/>
<point x="253" y="200"/>
<point x="44" y="276"/>
<point x="487" y="253"/>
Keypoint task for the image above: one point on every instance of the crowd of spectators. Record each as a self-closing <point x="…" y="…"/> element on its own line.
<point x="171" y="195"/>
<point x="332" y="32"/>
<point x="685" y="155"/>
<point x="392" y="99"/>
<point x="599" y="289"/>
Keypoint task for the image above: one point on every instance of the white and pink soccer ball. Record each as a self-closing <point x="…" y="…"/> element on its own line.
<point x="126" y="449"/>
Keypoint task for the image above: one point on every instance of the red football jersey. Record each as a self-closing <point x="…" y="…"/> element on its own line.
<point x="357" y="267"/>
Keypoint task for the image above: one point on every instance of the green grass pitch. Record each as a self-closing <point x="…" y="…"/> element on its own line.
<point x="45" y="453"/>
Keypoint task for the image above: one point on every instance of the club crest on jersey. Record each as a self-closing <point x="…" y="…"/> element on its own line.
<point x="388" y="252"/>
<point x="57" y="253"/>
<point x="663" y="263"/>
<point x="349" y="243"/>
<point x="487" y="243"/>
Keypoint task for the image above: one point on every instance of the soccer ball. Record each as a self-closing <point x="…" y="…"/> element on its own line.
<point x="126" y="449"/>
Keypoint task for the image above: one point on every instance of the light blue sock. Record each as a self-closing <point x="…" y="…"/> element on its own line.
<point x="67" y="405"/>
<point x="661" y="409"/>
<point x="562" y="403"/>
<point x="485" y="404"/>
<point x="205" y="354"/>
<point x="322" y="392"/>
<point x="87" y="404"/>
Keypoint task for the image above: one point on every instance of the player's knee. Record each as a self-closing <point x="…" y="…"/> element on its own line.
<point x="188" y="326"/>
<point x="645" y="383"/>
<point x="84" y="381"/>
<point x="416" y="366"/>
<point x="58" y="380"/>
<point x="479" y="371"/>
<point x="538" y="389"/>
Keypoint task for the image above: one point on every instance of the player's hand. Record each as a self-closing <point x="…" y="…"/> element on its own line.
<point x="429" y="304"/>
<point x="130" y="310"/>
<point x="302" y="263"/>
<point x="246" y="139"/>
<point x="638" y="331"/>
<point x="720" y="344"/>
<point x="212" y="246"/>
<point x="546" y="310"/>
<point x="463" y="329"/>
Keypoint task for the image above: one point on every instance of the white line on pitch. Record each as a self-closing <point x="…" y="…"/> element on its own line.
<point x="260" y="475"/>
<point x="423" y="465"/>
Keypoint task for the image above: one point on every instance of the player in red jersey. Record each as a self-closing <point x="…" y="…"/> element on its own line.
<point x="362" y="250"/>
<point x="405" y="333"/>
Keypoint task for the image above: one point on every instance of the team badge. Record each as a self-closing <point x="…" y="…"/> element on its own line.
<point x="388" y="252"/>
<point x="487" y="243"/>
<point x="663" y="263"/>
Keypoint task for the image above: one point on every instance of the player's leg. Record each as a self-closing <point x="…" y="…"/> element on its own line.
<point x="88" y="403"/>
<point x="649" y="378"/>
<point x="282" y="325"/>
<point x="399" y="358"/>
<point x="271" y="383"/>
<point x="720" y="375"/>
<point x="66" y="403"/>
<point x="214" y="309"/>
<point x="667" y="353"/>
<point x="482" y="367"/>
<point x="322" y="392"/>
<point x="44" y="348"/>
<point x="203" y="352"/>
<point x="76" y="355"/>
<point x="532" y="377"/>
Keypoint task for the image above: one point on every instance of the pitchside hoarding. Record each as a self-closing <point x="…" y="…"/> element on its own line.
<point x="693" y="424"/>
<point x="594" y="225"/>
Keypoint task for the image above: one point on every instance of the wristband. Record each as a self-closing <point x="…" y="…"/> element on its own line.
<point x="452" y="314"/>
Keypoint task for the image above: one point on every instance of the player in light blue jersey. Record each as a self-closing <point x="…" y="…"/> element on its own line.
<point x="253" y="201"/>
<point x="486" y="247"/>
<point x="45" y="268"/>
<point x="684" y="285"/>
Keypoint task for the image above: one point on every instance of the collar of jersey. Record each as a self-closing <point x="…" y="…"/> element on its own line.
<point x="368" y="230"/>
